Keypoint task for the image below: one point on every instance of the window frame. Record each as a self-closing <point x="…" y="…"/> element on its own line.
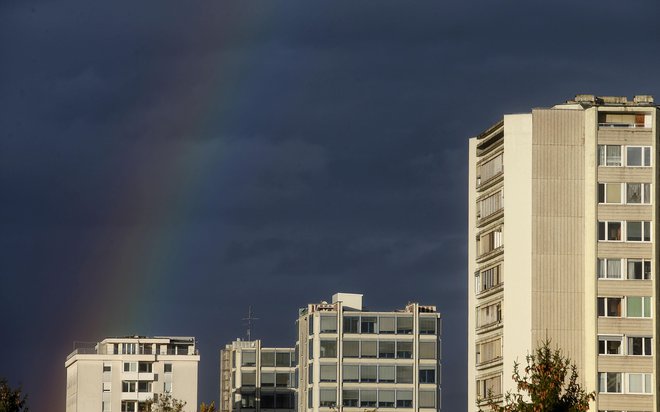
<point x="645" y="150"/>
<point x="622" y="193"/>
<point x="606" y="230"/>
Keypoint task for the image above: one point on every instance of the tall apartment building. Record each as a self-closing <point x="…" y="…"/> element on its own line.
<point x="354" y="360"/>
<point x="254" y="378"/>
<point x="121" y="374"/>
<point x="562" y="245"/>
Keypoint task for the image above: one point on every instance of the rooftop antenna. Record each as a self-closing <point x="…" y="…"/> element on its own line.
<point x="250" y="318"/>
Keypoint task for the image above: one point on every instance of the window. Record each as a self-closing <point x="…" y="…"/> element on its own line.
<point x="107" y="386"/>
<point x="167" y="368"/>
<point x="310" y="324"/>
<point x="404" y="325"/>
<point x="386" y="325"/>
<point x="489" y="314"/>
<point x="248" y="400"/>
<point x="639" y="346"/>
<point x="638" y="307"/>
<point x="427" y="325"/>
<point x="426" y="399"/>
<point x="144" y="367"/>
<point x="284" y="400"/>
<point x="107" y="368"/>
<point x="144" y="386"/>
<point x="310" y="348"/>
<point x="639" y="269"/>
<point x="368" y="324"/>
<point x="249" y="358"/>
<point x="127" y="406"/>
<point x="489" y="169"/>
<point x="128" y="386"/>
<point x="490" y="205"/>
<point x="351" y="324"/>
<point x="328" y="348"/>
<point x="488" y="279"/>
<point x="386" y="398"/>
<point x="403" y="350"/>
<point x="130" y="366"/>
<point x="404" y="398"/>
<point x="328" y="324"/>
<point x="267" y="358"/>
<point x="267" y="400"/>
<point x="404" y="374"/>
<point x="638" y="193"/>
<point x="610" y="382"/>
<point x="609" y="155"/>
<point x="639" y="383"/>
<point x="609" y="269"/>
<point x="610" y="231"/>
<point x="609" y="307"/>
<point x="368" y="373"/>
<point x="328" y="373"/>
<point x="367" y="398"/>
<point x="369" y="349"/>
<point x="310" y="373"/>
<point x="283" y="359"/>
<point x="328" y="397"/>
<point x="609" y="193"/>
<point x="488" y="351"/>
<point x="427" y="350"/>
<point x="106" y="406"/>
<point x="167" y="387"/>
<point x="487" y="242"/>
<point x="427" y="374"/>
<point x="351" y="349"/>
<point x="145" y="348"/>
<point x="386" y="374"/>
<point x="248" y="379"/>
<point x="267" y="380"/>
<point x="610" y="345"/>
<point x="351" y="373"/>
<point x="638" y="156"/>
<point x="386" y="349"/>
<point x="487" y="386"/>
<point x="128" y="348"/>
<point x="283" y="380"/>
<point x="351" y="397"/>
<point x="638" y="231"/>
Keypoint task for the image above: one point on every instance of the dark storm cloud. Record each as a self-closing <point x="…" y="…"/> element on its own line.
<point x="285" y="150"/>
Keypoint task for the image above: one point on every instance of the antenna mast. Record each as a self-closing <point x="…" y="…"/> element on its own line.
<point x="250" y="318"/>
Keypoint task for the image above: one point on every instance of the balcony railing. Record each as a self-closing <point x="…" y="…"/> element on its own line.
<point x="624" y="125"/>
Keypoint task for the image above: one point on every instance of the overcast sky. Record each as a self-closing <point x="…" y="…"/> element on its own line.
<point x="165" y="164"/>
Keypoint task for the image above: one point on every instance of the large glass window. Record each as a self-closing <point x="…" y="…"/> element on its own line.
<point x="609" y="268"/>
<point x="404" y="350"/>
<point x="267" y="358"/>
<point x="639" y="383"/>
<point x="639" y="269"/>
<point x="283" y="380"/>
<point x="267" y="400"/>
<point x="351" y="324"/>
<point x="427" y="374"/>
<point x="386" y="374"/>
<point x="283" y="359"/>
<point x="145" y="367"/>
<point x="638" y="193"/>
<point x="369" y="324"/>
<point x="351" y="373"/>
<point x="404" y="374"/>
<point x="609" y="193"/>
<point x="128" y="386"/>
<point x="328" y="397"/>
<point x="386" y="325"/>
<point x="638" y="231"/>
<point x="638" y="307"/>
<point x="329" y="373"/>
<point x="426" y="399"/>
<point x="386" y="398"/>
<point x="488" y="279"/>
<point x="404" y="398"/>
<point x="638" y="156"/>
<point x="427" y="325"/>
<point x="248" y="358"/>
<point x="130" y="366"/>
<point x="328" y="324"/>
<point x="351" y="349"/>
<point x="609" y="307"/>
<point x="267" y="379"/>
<point x="248" y="379"/>
<point x="367" y="398"/>
<point x="369" y="349"/>
<point x="609" y="155"/>
<point x="610" y="382"/>
<point x="427" y="350"/>
<point x="639" y="346"/>
<point x="386" y="349"/>
<point x="351" y="397"/>
<point x="368" y="373"/>
<point x="610" y="231"/>
<point x="404" y="325"/>
<point x="328" y="348"/>
<point x="610" y="345"/>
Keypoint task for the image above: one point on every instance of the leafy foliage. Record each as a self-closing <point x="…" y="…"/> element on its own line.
<point x="12" y="400"/>
<point x="207" y="408"/>
<point x="165" y="403"/>
<point x="549" y="384"/>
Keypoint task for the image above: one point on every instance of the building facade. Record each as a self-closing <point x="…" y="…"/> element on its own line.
<point x="562" y="246"/>
<point x="121" y="374"/>
<point x="352" y="359"/>
<point x="254" y="378"/>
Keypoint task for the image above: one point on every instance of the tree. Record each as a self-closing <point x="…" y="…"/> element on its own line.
<point x="546" y="385"/>
<point x="12" y="400"/>
<point x="165" y="403"/>
<point x="207" y="408"/>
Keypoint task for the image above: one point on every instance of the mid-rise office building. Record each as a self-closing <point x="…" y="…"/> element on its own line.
<point x="254" y="378"/>
<point x="121" y="374"/>
<point x="562" y="246"/>
<point x="352" y="359"/>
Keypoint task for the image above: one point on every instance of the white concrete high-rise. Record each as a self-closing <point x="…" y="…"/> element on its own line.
<point x="121" y="374"/>
<point x="563" y="246"/>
